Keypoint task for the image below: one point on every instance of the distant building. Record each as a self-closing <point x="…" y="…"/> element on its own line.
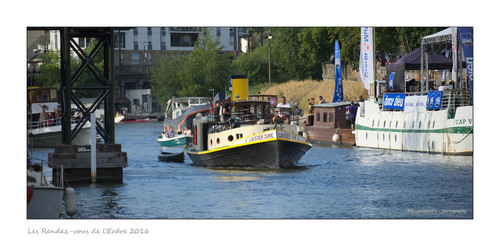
<point x="137" y="50"/>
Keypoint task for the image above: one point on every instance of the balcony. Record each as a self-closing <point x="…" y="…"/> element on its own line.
<point x="185" y="29"/>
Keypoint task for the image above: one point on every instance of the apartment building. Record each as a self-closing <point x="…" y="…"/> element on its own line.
<point x="139" y="49"/>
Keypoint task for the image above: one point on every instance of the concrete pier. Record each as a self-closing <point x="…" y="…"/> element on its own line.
<point x="76" y="162"/>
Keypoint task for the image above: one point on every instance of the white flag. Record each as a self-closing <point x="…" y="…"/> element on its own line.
<point x="366" y="68"/>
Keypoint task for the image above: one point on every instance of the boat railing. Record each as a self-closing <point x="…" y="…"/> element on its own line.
<point x="46" y="123"/>
<point x="451" y="99"/>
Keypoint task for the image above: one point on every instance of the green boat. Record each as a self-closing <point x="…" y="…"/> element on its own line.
<point x="179" y="140"/>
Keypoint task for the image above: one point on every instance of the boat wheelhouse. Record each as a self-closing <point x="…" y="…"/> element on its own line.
<point x="329" y="120"/>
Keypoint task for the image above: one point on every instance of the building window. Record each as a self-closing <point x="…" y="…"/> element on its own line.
<point x="120" y="40"/>
<point x="218" y="31"/>
<point x="183" y="39"/>
<point x="150" y="59"/>
<point x="136" y="32"/>
<point x="331" y="117"/>
<point x="163" y="45"/>
<point x="318" y="117"/>
<point x="149" y="31"/>
<point x="136" y="45"/>
<point x="163" y="31"/>
<point x="325" y="117"/>
<point x="150" y="45"/>
<point x="121" y="59"/>
<point x="135" y="59"/>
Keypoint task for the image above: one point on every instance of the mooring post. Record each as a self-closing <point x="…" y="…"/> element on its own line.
<point x="93" y="156"/>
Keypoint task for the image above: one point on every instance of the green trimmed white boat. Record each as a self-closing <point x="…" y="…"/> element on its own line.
<point x="179" y="140"/>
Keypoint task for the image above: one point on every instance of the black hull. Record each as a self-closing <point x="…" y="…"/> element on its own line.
<point x="171" y="157"/>
<point x="272" y="154"/>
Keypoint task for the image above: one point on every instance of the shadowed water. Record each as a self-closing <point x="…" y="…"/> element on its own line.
<point x="333" y="182"/>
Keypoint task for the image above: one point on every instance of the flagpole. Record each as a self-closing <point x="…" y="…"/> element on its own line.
<point x="374" y="58"/>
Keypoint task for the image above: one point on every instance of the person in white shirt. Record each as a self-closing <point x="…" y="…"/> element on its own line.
<point x="187" y="131"/>
<point x="442" y="87"/>
<point x="284" y="114"/>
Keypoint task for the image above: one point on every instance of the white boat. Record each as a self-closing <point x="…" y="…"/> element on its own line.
<point x="49" y="136"/>
<point x="46" y="133"/>
<point x="447" y="130"/>
<point x="46" y="198"/>
<point x="119" y="118"/>
<point x="422" y="120"/>
<point x="181" y="111"/>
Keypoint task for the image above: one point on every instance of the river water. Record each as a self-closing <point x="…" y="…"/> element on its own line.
<point x="334" y="183"/>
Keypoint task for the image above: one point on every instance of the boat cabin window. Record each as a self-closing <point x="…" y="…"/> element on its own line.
<point x="325" y="117"/>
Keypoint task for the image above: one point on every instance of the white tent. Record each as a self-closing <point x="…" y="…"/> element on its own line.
<point x="442" y="36"/>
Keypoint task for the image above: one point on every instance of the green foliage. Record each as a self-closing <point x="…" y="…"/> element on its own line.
<point x="203" y="69"/>
<point x="315" y="48"/>
<point x="349" y="38"/>
<point x="254" y="65"/>
<point x="50" y="71"/>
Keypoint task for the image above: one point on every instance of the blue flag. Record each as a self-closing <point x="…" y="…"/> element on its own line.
<point x="338" y="96"/>
<point x="467" y="46"/>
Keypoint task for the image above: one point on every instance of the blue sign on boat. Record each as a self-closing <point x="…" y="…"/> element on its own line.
<point x="394" y="101"/>
<point x="434" y="99"/>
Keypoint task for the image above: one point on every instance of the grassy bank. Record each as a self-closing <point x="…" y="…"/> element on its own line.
<point x="299" y="91"/>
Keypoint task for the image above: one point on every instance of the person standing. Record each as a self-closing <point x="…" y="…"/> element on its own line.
<point x="442" y="87"/>
<point x="321" y="100"/>
<point x="282" y="113"/>
<point x="226" y="109"/>
<point x="353" y="109"/>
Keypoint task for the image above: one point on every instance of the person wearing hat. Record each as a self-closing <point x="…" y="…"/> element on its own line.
<point x="226" y="109"/>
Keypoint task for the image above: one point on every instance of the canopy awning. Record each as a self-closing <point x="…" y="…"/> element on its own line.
<point x="411" y="61"/>
<point x="438" y="37"/>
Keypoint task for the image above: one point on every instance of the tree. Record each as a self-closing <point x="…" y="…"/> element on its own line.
<point x="315" y="49"/>
<point x="254" y="65"/>
<point x="205" y="68"/>
<point x="50" y="71"/>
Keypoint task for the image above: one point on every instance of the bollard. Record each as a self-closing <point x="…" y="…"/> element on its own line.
<point x="93" y="156"/>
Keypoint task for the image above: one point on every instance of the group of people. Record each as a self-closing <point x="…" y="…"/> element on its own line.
<point x="225" y="110"/>
<point x="443" y="86"/>
<point x="168" y="131"/>
<point x="47" y="118"/>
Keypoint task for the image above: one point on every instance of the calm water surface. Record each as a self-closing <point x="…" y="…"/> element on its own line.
<point x="336" y="182"/>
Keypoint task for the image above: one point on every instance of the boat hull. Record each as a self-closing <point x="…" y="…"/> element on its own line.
<point x="270" y="154"/>
<point x="171" y="157"/>
<point x="430" y="131"/>
<point x="324" y="135"/>
<point x="46" y="203"/>
<point x="172" y="142"/>
<point x="52" y="137"/>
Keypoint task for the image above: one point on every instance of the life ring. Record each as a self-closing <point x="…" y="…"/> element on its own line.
<point x="50" y="118"/>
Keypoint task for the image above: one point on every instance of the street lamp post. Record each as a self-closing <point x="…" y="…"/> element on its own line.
<point x="269" y="37"/>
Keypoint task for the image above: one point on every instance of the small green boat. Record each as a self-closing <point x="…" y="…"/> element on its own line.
<point x="179" y="140"/>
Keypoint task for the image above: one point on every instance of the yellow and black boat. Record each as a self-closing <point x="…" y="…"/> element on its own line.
<point x="248" y="138"/>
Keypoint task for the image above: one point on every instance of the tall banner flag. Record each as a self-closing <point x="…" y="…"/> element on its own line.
<point x="454" y="54"/>
<point x="466" y="41"/>
<point x="339" y="94"/>
<point x="366" y="68"/>
<point x="230" y="83"/>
